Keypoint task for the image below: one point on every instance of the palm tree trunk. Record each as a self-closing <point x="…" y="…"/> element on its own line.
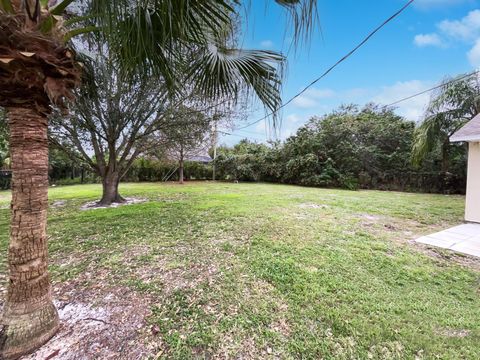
<point x="29" y="316"/>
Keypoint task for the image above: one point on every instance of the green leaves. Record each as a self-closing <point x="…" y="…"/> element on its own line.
<point x="153" y="37"/>
<point x="455" y="102"/>
<point x="427" y="137"/>
<point x="219" y="71"/>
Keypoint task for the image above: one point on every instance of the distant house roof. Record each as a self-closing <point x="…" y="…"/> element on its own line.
<point x="469" y="132"/>
<point x="200" y="158"/>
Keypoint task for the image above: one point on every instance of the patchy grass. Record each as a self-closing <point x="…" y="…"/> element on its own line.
<point x="258" y="271"/>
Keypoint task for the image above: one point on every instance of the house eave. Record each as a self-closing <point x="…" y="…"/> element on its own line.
<point x="472" y="138"/>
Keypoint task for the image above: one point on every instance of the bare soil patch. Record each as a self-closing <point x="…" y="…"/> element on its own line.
<point x="99" y="326"/>
<point x="91" y="205"/>
<point x="313" y="206"/>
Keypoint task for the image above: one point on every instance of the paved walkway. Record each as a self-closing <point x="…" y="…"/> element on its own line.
<point x="463" y="238"/>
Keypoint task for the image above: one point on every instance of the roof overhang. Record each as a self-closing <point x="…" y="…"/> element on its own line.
<point x="472" y="138"/>
<point x="470" y="132"/>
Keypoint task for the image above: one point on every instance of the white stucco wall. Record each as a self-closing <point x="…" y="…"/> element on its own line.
<point x="472" y="208"/>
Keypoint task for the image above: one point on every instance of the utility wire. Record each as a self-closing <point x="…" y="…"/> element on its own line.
<point x="476" y="72"/>
<point x="239" y="135"/>
<point x="432" y="88"/>
<point x="363" y="42"/>
<point x="460" y="78"/>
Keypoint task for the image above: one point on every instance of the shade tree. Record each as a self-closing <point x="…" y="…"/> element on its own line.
<point x="188" y="134"/>
<point x="111" y="123"/>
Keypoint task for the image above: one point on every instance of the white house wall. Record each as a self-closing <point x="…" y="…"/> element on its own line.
<point x="472" y="209"/>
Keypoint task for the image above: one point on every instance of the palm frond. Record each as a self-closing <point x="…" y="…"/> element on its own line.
<point x="460" y="97"/>
<point x="303" y="15"/>
<point x="58" y="9"/>
<point x="145" y="35"/>
<point x="220" y="72"/>
<point x="427" y="136"/>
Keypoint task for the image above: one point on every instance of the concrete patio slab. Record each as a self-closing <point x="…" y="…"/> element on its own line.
<point x="463" y="238"/>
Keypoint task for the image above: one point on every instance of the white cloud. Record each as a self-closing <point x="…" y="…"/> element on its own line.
<point x="474" y="54"/>
<point x="412" y="109"/>
<point x="261" y="126"/>
<point x="467" y="28"/>
<point x="291" y="123"/>
<point x="310" y="98"/>
<point x="320" y="93"/>
<point x="422" y="40"/>
<point x="293" y="118"/>
<point x="305" y="102"/>
<point x="267" y="44"/>
<point x="355" y="93"/>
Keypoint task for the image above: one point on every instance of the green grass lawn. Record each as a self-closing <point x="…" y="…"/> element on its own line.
<point x="258" y="270"/>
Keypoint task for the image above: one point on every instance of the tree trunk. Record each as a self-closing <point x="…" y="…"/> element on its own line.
<point x="446" y="156"/>
<point x="180" y="172"/>
<point x="180" y="165"/>
<point x="29" y="317"/>
<point x="110" y="193"/>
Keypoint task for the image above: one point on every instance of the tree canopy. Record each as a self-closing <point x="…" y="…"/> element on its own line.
<point x="451" y="106"/>
<point x="350" y="147"/>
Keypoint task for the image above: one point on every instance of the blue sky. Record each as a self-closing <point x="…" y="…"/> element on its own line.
<point x="432" y="39"/>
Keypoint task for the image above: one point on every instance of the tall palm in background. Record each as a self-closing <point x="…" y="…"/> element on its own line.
<point x="39" y="69"/>
<point x="456" y="102"/>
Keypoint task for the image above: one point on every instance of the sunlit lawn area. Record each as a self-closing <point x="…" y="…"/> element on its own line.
<point x="257" y="270"/>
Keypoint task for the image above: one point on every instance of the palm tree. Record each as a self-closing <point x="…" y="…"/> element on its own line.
<point x="455" y="103"/>
<point x="39" y="68"/>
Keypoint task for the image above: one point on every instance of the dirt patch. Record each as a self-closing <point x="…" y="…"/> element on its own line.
<point x="108" y="327"/>
<point x="178" y="278"/>
<point x="454" y="333"/>
<point x="405" y="231"/>
<point x="369" y="220"/>
<point x="59" y="203"/>
<point x="92" y="205"/>
<point x="99" y="320"/>
<point x="448" y="256"/>
<point x="313" y="206"/>
<point x="370" y="217"/>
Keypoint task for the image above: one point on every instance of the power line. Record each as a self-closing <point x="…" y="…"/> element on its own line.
<point x="239" y="135"/>
<point x="457" y="79"/>
<point x="432" y="88"/>
<point x="350" y="53"/>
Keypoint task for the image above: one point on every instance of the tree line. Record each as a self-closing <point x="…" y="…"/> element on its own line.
<point x="369" y="147"/>
<point x="351" y="147"/>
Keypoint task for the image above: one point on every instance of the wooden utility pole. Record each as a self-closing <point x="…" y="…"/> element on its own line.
<point x="214" y="147"/>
